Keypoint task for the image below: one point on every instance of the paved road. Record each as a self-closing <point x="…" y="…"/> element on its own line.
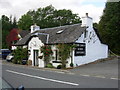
<point x="107" y="69"/>
<point x="39" y="78"/>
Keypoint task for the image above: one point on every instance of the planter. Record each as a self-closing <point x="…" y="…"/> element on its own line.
<point x="40" y="57"/>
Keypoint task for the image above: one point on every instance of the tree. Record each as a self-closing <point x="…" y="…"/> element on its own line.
<point x="14" y="23"/>
<point x="6" y="27"/>
<point x="109" y="28"/>
<point x="25" y="22"/>
<point x="12" y="37"/>
<point x="48" y="17"/>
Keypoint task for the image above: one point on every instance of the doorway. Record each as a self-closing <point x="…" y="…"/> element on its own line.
<point x="35" y="57"/>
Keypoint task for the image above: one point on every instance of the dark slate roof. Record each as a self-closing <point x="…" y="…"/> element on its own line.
<point x="69" y="35"/>
<point x="24" y="40"/>
<point x="23" y="33"/>
<point x="96" y="30"/>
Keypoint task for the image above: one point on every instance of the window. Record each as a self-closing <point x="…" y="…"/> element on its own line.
<point x="80" y="50"/>
<point x="85" y="34"/>
<point x="59" y="32"/>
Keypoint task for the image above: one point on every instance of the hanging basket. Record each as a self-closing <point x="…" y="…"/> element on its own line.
<point x="40" y="57"/>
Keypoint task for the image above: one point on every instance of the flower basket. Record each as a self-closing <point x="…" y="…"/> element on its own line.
<point x="40" y="57"/>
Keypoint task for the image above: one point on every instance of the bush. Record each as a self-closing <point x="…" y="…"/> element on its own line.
<point x="49" y="65"/>
<point x="71" y="64"/>
<point x="19" y="54"/>
<point x="59" y="66"/>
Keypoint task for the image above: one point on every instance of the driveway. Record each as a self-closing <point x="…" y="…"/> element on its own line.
<point x="104" y="69"/>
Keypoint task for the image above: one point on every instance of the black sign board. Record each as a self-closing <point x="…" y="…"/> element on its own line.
<point x="80" y="49"/>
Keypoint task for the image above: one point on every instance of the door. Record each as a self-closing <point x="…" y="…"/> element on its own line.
<point x="35" y="57"/>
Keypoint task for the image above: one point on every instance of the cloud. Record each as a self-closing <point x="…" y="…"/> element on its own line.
<point x="5" y="4"/>
<point x="19" y="7"/>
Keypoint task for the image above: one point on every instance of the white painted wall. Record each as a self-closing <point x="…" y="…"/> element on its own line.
<point x="94" y="48"/>
<point x="35" y="44"/>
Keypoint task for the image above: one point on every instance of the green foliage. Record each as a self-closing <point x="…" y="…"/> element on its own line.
<point x="25" y="22"/>
<point x="48" y="17"/>
<point x="19" y="54"/>
<point x="71" y="64"/>
<point x="64" y="51"/>
<point x="109" y="26"/>
<point x="47" y="53"/>
<point x="95" y="25"/>
<point x="49" y="65"/>
<point x="7" y="25"/>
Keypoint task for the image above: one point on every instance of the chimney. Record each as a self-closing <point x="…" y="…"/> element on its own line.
<point x="86" y="14"/>
<point x="87" y="21"/>
<point x="34" y="28"/>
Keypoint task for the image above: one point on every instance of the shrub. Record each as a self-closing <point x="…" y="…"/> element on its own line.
<point x="19" y="54"/>
<point x="49" y="65"/>
<point x="59" y="66"/>
<point x="71" y="64"/>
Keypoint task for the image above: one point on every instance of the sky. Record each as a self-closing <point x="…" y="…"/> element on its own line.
<point x="18" y="8"/>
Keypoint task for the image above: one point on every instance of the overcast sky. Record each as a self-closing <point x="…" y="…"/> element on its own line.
<point x="19" y="7"/>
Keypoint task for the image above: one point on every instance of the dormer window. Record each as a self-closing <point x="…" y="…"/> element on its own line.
<point x="59" y="32"/>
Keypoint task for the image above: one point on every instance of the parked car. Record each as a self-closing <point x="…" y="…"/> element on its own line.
<point x="9" y="57"/>
<point x="4" y="53"/>
<point x="24" y="61"/>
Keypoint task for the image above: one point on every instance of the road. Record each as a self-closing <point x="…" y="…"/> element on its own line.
<point x="40" y="78"/>
<point x="107" y="69"/>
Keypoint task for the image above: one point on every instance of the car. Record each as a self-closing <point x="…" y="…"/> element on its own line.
<point x="24" y="61"/>
<point x="4" y="53"/>
<point x="9" y="57"/>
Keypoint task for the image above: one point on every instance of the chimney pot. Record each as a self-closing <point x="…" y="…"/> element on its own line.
<point x="87" y="14"/>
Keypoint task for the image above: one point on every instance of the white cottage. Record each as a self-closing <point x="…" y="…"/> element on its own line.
<point x="89" y="46"/>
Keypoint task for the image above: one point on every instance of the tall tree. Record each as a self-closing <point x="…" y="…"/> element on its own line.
<point x="109" y="26"/>
<point x="7" y="25"/>
<point x="48" y="17"/>
<point x="14" y="23"/>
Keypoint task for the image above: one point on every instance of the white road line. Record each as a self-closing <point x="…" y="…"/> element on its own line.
<point x="100" y="76"/>
<point x="42" y="78"/>
<point x="114" y="78"/>
<point x="85" y="75"/>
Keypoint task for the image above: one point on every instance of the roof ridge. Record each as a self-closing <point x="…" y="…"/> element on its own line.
<point x="57" y="27"/>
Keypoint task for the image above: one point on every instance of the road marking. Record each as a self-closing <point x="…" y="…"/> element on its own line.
<point x="100" y="76"/>
<point x="85" y="75"/>
<point x="114" y="78"/>
<point x="53" y="80"/>
<point x="59" y="72"/>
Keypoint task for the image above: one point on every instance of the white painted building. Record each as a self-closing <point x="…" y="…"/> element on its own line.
<point x="89" y="46"/>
